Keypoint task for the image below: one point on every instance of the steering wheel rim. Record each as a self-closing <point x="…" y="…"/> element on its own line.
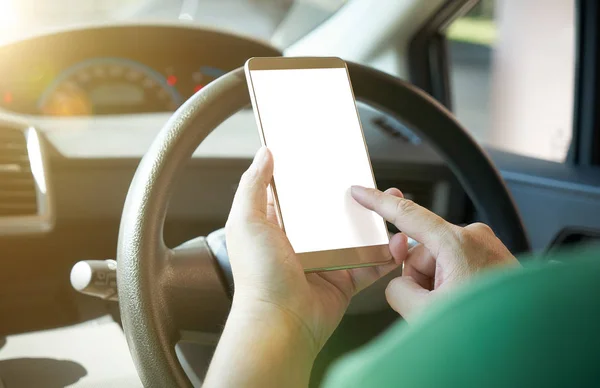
<point x="163" y="290"/>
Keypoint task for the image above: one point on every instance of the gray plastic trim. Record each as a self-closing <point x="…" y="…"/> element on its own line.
<point x="43" y="221"/>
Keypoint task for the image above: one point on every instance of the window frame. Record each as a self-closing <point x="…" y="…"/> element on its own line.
<point x="429" y="69"/>
<point x="428" y="59"/>
<point x="585" y="144"/>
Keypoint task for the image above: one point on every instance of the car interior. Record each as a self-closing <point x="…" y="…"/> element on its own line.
<point x="125" y="127"/>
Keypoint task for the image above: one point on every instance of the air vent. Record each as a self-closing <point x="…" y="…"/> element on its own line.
<point x="18" y="194"/>
<point x="24" y="202"/>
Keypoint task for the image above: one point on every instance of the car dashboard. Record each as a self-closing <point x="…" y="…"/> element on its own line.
<point x="97" y="97"/>
<point x="116" y="70"/>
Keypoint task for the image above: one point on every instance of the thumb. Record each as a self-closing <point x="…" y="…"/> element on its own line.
<point x="406" y="296"/>
<point x="250" y="199"/>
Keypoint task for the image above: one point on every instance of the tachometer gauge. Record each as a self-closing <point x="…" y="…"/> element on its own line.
<point x="103" y="86"/>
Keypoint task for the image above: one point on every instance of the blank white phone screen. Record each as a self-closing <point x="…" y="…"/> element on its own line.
<point x="310" y="124"/>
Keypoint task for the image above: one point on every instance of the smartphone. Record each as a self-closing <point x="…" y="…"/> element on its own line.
<point x="307" y="117"/>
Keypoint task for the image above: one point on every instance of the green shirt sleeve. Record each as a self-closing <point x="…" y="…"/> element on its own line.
<point x="536" y="327"/>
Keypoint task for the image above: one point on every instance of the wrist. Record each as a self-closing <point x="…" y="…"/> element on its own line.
<point x="257" y="315"/>
<point x="265" y="347"/>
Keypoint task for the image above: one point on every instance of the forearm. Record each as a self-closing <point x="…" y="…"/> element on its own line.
<point x="260" y="348"/>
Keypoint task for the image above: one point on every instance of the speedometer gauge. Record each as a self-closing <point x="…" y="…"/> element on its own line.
<point x="103" y="86"/>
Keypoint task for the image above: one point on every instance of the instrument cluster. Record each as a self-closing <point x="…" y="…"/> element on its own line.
<point x="117" y="70"/>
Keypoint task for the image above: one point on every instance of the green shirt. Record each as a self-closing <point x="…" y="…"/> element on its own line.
<point x="536" y="327"/>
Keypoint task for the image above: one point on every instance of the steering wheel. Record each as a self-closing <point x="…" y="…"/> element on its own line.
<point x="163" y="291"/>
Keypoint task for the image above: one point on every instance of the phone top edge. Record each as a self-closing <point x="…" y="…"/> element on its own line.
<point x="282" y="63"/>
<point x="247" y="64"/>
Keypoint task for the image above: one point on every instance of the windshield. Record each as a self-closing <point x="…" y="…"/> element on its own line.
<point x="280" y="22"/>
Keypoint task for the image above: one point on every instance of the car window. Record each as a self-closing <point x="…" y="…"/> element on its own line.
<point x="512" y="70"/>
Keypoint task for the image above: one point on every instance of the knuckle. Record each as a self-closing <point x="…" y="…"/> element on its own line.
<point x="479" y="227"/>
<point x="465" y="236"/>
<point x="379" y="198"/>
<point x="481" y="248"/>
<point x="404" y="206"/>
<point x="465" y="240"/>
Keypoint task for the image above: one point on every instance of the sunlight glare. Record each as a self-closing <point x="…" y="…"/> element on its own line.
<point x="8" y="14"/>
<point x="35" y="159"/>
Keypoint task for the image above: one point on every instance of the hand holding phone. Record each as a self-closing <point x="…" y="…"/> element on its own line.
<point x="279" y="311"/>
<point x="307" y="116"/>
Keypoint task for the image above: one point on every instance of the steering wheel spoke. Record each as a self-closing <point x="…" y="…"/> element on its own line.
<point x="195" y="288"/>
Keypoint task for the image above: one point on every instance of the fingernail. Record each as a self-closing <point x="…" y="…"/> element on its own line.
<point x="357" y="189"/>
